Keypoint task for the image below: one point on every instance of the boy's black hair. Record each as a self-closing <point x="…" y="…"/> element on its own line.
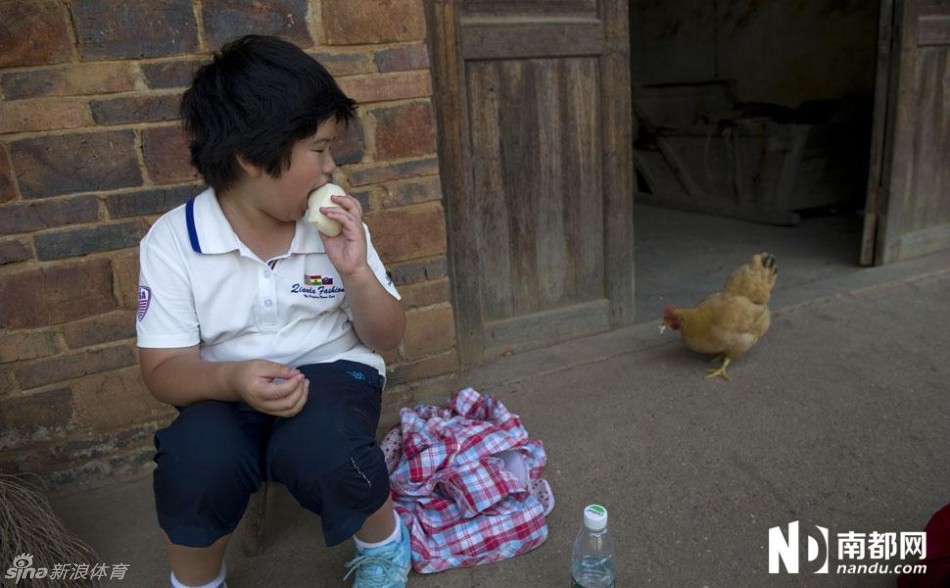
<point x="257" y="98"/>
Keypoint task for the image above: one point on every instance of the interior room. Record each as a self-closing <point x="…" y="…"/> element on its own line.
<point x="753" y="132"/>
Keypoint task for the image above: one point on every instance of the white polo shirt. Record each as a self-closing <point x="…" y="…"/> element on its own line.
<point x="200" y="285"/>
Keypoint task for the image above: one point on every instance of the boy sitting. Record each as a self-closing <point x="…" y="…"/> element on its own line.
<point x="262" y="332"/>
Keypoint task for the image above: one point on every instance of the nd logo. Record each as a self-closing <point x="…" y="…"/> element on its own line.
<point x="786" y="547"/>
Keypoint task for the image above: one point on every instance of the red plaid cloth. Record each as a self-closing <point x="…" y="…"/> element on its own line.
<point x="457" y="484"/>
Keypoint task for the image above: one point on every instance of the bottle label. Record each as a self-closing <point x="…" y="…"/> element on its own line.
<point x="576" y="584"/>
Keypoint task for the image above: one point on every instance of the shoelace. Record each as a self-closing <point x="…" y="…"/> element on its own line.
<point x="388" y="566"/>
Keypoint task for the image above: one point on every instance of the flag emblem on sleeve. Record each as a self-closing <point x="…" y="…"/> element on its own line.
<point x="145" y="298"/>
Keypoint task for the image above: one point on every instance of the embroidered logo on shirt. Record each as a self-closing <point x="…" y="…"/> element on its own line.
<point x="145" y="298"/>
<point x="317" y="291"/>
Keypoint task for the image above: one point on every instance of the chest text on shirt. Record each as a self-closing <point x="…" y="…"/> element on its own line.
<point x="316" y="291"/>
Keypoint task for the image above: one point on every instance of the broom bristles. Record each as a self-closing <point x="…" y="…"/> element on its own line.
<point x="29" y="526"/>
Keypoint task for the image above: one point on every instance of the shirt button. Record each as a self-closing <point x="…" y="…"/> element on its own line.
<point x="266" y="273"/>
<point x="268" y="303"/>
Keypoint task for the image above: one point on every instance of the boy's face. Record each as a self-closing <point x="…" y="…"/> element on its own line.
<point x="311" y="166"/>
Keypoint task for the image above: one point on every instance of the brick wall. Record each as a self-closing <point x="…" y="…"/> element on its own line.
<point x="91" y="153"/>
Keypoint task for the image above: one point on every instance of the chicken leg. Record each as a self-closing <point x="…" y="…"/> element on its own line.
<point x="721" y="370"/>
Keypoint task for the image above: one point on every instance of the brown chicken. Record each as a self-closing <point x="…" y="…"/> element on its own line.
<point x="729" y="322"/>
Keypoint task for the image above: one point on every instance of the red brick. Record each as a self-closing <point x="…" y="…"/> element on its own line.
<point x="34" y="32"/>
<point x="7" y="385"/>
<point x="225" y="20"/>
<point x="106" y="328"/>
<point x="390" y="357"/>
<point x="371" y="197"/>
<point x="357" y="22"/>
<point x="80" y="79"/>
<point x="383" y="87"/>
<point x="115" y="400"/>
<point x="14" y="250"/>
<point x="27" y="419"/>
<point x="125" y="267"/>
<point x="65" y="367"/>
<point x="82" y="162"/>
<point x="425" y="293"/>
<point x="85" y="447"/>
<point x="48" y="115"/>
<point x="403" y="58"/>
<point x="118" y="29"/>
<point x="44" y="214"/>
<point x="346" y="64"/>
<point x="413" y="192"/>
<point x="55" y="294"/>
<point x="78" y="242"/>
<point x="85" y="459"/>
<point x="365" y="197"/>
<point x="418" y="270"/>
<point x="167" y="158"/>
<point x="7" y="188"/>
<point x="394" y="398"/>
<point x="149" y="202"/>
<point x="404" y="131"/>
<point x="428" y="367"/>
<point x="408" y="233"/>
<point x="348" y="147"/>
<point x="428" y="330"/>
<point x="171" y="74"/>
<point x="138" y="109"/>
<point x="388" y="171"/>
<point x="20" y="346"/>
<point x="435" y="390"/>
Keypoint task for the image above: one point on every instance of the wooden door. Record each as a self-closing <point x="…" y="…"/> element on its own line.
<point x="908" y="204"/>
<point x="534" y="114"/>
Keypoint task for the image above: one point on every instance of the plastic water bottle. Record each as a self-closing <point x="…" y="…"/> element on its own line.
<point x="592" y="560"/>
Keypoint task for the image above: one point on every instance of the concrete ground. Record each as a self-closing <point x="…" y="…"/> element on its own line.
<point x="682" y="256"/>
<point x="837" y="418"/>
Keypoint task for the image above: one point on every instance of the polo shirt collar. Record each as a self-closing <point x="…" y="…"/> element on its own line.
<point x="208" y="229"/>
<point x="210" y="232"/>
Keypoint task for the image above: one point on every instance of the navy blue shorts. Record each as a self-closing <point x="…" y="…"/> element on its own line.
<point x="216" y="454"/>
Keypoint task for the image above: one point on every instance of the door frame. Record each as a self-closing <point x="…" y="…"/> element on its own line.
<point x="894" y="153"/>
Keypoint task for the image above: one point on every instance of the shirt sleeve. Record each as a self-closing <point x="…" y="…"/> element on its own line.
<point x="166" y="316"/>
<point x="379" y="270"/>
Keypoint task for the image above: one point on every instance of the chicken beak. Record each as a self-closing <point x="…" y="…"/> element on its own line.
<point x="662" y="328"/>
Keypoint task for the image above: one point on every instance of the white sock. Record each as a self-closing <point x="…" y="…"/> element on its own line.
<point x="218" y="582"/>
<point x="395" y="536"/>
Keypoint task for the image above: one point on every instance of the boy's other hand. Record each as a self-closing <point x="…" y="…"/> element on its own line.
<point x="270" y="387"/>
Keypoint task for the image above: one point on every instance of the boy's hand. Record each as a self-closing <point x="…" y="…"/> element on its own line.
<point x="347" y="251"/>
<point x="270" y="387"/>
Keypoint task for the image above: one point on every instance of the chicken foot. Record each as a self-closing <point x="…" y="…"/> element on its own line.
<point x="721" y="370"/>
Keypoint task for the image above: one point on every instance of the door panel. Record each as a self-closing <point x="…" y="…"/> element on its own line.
<point x="533" y="103"/>
<point x="528" y="8"/>
<point x="908" y="200"/>
<point x="538" y="179"/>
<point x="513" y="38"/>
